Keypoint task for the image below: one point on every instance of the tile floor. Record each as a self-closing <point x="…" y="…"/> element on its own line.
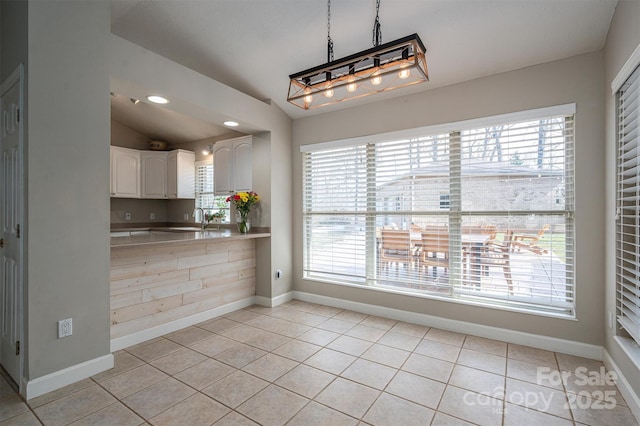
<point x="308" y="364"/>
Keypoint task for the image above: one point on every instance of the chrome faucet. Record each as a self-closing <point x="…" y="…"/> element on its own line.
<point x="203" y="222"/>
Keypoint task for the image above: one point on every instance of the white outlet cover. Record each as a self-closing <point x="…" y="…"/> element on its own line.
<point x="65" y="328"/>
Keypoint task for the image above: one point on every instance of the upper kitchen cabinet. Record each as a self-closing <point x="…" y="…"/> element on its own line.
<point x="181" y="174"/>
<point x="153" y="166"/>
<point x="125" y="172"/>
<point x="152" y="174"/>
<point x="232" y="166"/>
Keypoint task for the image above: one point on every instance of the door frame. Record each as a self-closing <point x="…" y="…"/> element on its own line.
<point x="17" y="77"/>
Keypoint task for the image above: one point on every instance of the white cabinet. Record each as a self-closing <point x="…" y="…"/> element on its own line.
<point x="152" y="174"/>
<point x="232" y="165"/>
<point x="181" y="174"/>
<point x="153" y="166"/>
<point x="125" y="172"/>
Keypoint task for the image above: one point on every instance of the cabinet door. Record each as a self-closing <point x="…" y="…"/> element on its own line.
<point x="125" y="173"/>
<point x="223" y="168"/>
<point x="172" y="174"/>
<point x="181" y="174"/>
<point x="154" y="174"/>
<point x="242" y="165"/>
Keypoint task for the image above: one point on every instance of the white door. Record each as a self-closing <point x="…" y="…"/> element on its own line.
<point x="11" y="197"/>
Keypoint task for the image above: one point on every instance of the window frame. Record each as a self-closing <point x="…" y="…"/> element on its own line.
<point x="627" y="235"/>
<point x="200" y="196"/>
<point x="452" y="210"/>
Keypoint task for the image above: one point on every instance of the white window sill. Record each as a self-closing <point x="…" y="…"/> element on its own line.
<point x="631" y="348"/>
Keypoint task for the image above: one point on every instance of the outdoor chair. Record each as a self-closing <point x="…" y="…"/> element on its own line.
<point x="395" y="248"/>
<point x="471" y="251"/>
<point x="529" y="241"/>
<point x="499" y="254"/>
<point x="434" y="251"/>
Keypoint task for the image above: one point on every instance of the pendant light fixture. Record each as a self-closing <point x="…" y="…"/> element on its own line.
<point x="384" y="67"/>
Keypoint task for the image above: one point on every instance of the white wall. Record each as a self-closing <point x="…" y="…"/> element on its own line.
<point x="67" y="246"/>
<point x="578" y="79"/>
<point x="623" y="39"/>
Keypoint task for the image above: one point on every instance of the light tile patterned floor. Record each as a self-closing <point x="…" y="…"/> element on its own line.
<point x="308" y="364"/>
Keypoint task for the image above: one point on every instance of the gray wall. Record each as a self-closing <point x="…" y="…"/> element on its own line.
<point x="623" y="39"/>
<point x="67" y="244"/>
<point x="14" y="51"/>
<point x="578" y="79"/>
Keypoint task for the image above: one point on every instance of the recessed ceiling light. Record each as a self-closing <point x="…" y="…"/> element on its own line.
<point x="157" y="99"/>
<point x="231" y="124"/>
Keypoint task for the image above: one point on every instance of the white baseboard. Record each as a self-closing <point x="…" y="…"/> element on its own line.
<point x="67" y="376"/>
<point x="160" y="330"/>
<point x="273" y="302"/>
<point x="511" y="336"/>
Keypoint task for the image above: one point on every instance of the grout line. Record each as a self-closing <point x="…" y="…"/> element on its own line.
<point x="290" y="320"/>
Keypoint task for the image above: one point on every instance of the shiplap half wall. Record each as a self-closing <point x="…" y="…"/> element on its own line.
<point x="151" y="286"/>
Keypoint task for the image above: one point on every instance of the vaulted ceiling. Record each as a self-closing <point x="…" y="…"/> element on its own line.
<point x="254" y="45"/>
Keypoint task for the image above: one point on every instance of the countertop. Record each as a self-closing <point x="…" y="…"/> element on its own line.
<point x="133" y="237"/>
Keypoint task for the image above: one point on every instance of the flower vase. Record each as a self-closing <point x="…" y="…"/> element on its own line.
<point x="242" y="220"/>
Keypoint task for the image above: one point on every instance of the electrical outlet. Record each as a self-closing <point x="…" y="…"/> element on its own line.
<point x="152" y="216"/>
<point x="186" y="216"/>
<point x="127" y="216"/>
<point x="65" y="328"/>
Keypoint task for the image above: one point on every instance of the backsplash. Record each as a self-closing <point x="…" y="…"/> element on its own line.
<point x="141" y="211"/>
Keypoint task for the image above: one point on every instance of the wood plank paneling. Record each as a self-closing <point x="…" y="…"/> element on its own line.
<point x="151" y="286"/>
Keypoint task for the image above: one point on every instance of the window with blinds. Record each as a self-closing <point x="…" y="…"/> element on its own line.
<point x="205" y="197"/>
<point x="628" y="206"/>
<point x="482" y="213"/>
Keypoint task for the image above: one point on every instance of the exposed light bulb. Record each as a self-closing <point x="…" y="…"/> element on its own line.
<point x="352" y="86"/>
<point x="376" y="79"/>
<point x="329" y="92"/>
<point x="308" y="98"/>
<point x="404" y="73"/>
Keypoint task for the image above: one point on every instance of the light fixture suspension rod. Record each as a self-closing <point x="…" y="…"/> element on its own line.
<point x="377" y="28"/>
<point x="329" y="40"/>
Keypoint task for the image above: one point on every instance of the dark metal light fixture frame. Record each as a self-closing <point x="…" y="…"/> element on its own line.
<point x="386" y="67"/>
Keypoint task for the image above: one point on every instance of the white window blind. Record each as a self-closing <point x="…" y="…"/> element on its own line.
<point x="481" y="214"/>
<point x="628" y="206"/>
<point x="205" y="197"/>
<point x="204" y="184"/>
